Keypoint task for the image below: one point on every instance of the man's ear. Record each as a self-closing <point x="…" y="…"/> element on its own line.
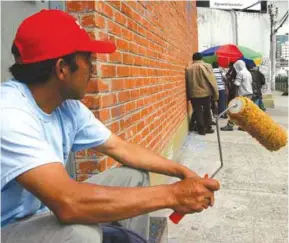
<point x="61" y="69"/>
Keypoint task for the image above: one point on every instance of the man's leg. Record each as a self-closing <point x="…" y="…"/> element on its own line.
<point x="222" y="101"/>
<point x="197" y="106"/>
<point x="45" y="228"/>
<point x="261" y="105"/>
<point x="228" y="127"/>
<point x="206" y="102"/>
<point x="126" y="177"/>
<point x="193" y="121"/>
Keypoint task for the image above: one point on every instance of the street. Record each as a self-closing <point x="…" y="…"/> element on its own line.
<point x="252" y="205"/>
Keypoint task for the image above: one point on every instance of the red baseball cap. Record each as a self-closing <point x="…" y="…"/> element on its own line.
<point x="49" y="34"/>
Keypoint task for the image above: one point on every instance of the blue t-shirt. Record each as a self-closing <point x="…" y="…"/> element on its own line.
<point x="31" y="138"/>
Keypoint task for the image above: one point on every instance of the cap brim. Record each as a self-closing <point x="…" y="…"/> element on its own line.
<point x="99" y="47"/>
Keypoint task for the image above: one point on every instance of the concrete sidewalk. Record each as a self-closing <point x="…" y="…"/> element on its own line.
<point x="252" y="205"/>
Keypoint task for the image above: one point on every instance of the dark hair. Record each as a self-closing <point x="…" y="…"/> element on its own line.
<point x="38" y="72"/>
<point x="215" y="65"/>
<point x="197" y="56"/>
<point x="250" y="66"/>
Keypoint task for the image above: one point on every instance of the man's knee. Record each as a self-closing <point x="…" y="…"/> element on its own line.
<point x="83" y="233"/>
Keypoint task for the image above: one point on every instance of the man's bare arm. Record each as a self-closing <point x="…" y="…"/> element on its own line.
<point x="74" y="202"/>
<point x="88" y="203"/>
<point x="138" y="157"/>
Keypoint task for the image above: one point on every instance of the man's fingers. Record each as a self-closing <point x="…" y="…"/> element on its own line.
<point x="211" y="184"/>
<point x="207" y="202"/>
<point x="199" y="209"/>
<point x="212" y="202"/>
<point x="209" y="198"/>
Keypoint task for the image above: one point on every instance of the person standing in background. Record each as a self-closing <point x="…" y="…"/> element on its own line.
<point x="258" y="80"/>
<point x="221" y="87"/>
<point x="201" y="87"/>
<point x="243" y="86"/>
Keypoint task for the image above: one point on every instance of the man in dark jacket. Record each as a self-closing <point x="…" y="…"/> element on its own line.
<point x="201" y="88"/>
<point x="258" y="80"/>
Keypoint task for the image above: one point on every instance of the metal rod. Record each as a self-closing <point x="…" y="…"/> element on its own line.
<point x="219" y="140"/>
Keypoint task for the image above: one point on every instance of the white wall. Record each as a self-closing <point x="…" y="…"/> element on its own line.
<point x="217" y="27"/>
<point x="254" y="31"/>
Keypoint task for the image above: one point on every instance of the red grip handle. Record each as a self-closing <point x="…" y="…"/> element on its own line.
<point x="176" y="217"/>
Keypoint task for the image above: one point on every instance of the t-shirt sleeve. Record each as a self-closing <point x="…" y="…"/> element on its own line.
<point x="23" y="144"/>
<point x="90" y="131"/>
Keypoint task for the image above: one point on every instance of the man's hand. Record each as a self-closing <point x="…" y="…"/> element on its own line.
<point x="194" y="194"/>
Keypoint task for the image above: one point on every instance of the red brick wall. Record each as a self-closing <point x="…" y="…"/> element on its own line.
<point x="139" y="91"/>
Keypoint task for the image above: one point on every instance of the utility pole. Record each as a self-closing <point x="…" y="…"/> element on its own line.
<point x="273" y="12"/>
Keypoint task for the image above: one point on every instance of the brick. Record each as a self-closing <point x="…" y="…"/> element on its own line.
<point x="122" y="44"/>
<point x="139" y="61"/>
<point x="141" y="51"/>
<point x="94" y="154"/>
<point x="133" y="48"/>
<point x="140" y="103"/>
<point x="123" y="71"/>
<point x="110" y="162"/>
<point x="124" y="96"/>
<point x="128" y="59"/>
<point x="114" y="28"/>
<point x="106" y="37"/>
<point x="102" y="57"/>
<point x="127" y="10"/>
<point x="107" y="100"/>
<point x="130" y="107"/>
<point x="86" y="167"/>
<point x="82" y="177"/>
<point x="134" y="94"/>
<point x="115" y="57"/>
<point x="127" y="34"/>
<point x="93" y="20"/>
<point x="96" y="85"/>
<point x="102" y="114"/>
<point x="118" y="111"/>
<point x="136" y="117"/>
<point x="114" y="127"/>
<point x="129" y="83"/>
<point x="132" y="4"/>
<point x="134" y="71"/>
<point x="117" y="84"/>
<point x="75" y="5"/>
<point x="142" y="31"/>
<point x="108" y="71"/>
<point x="101" y="165"/>
<point x="120" y="18"/>
<point x="144" y="3"/>
<point x="132" y="25"/>
<point x="90" y="5"/>
<point x="116" y="4"/>
<point x="92" y="102"/>
<point x="107" y="10"/>
<point x="80" y="154"/>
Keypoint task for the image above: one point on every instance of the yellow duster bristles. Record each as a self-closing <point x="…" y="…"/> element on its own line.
<point x="258" y="124"/>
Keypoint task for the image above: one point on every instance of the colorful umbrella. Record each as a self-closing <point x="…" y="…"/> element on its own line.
<point x="225" y="54"/>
